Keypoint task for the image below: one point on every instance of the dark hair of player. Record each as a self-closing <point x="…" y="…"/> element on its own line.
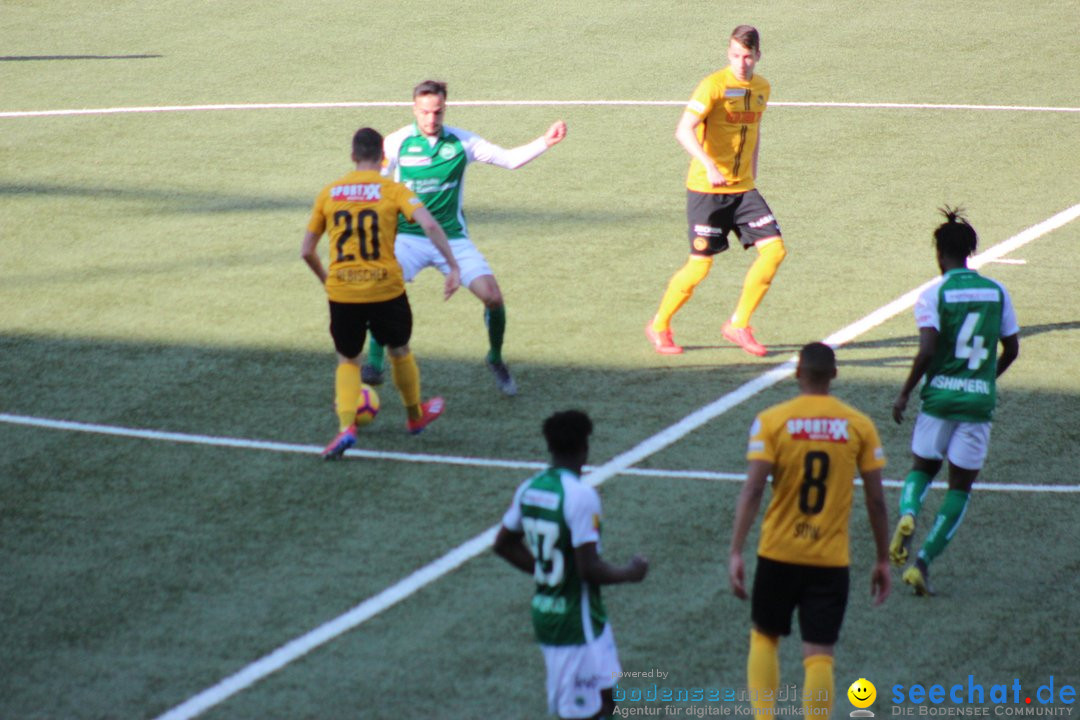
<point x="367" y="145"/>
<point x="747" y="36"/>
<point x="955" y="238"/>
<point x="817" y="362"/>
<point x="567" y="432"/>
<point x="430" y="87"/>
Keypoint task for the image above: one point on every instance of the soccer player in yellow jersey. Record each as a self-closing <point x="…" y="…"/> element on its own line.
<point x="812" y="446"/>
<point x="720" y="129"/>
<point x="364" y="284"/>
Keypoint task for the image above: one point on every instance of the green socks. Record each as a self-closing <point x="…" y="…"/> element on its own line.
<point x="946" y="524"/>
<point x="495" y="319"/>
<point x="376" y="355"/>
<point x="911" y="498"/>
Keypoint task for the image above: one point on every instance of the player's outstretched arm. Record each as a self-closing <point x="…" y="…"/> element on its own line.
<point x="555" y="134"/>
<point x="928" y="337"/>
<point x="437" y="236"/>
<point x="508" y="545"/>
<point x="310" y="255"/>
<point x="594" y="569"/>
<point x="746" y="509"/>
<point x="880" y="580"/>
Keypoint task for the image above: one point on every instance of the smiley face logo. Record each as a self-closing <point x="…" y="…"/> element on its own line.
<point x="862" y="693"/>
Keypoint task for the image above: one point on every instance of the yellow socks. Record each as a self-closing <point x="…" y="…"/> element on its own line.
<point x="818" y="686"/>
<point x="763" y="670"/>
<point x="758" y="279"/>
<point x="680" y="288"/>
<point x="346" y="393"/>
<point x="407" y="380"/>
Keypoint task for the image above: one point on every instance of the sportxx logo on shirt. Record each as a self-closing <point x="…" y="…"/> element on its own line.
<point x="827" y="429"/>
<point x="368" y="192"/>
<point x="413" y="161"/>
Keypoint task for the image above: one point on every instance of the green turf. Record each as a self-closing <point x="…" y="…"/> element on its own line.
<point x="150" y="278"/>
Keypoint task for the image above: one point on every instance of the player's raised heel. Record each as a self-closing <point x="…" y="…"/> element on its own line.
<point x="337" y="447"/>
<point x="370" y="376"/>
<point x="662" y="341"/>
<point x="503" y="380"/>
<point x="901" y="541"/>
<point x="432" y="409"/>
<point x="918" y="577"/>
<point x="744" y="338"/>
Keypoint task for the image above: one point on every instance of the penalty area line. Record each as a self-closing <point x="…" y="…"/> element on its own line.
<point x="469" y="549"/>
<point x="500" y="463"/>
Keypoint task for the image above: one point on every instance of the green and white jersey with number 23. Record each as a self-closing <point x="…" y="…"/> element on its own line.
<point x="557" y="512"/>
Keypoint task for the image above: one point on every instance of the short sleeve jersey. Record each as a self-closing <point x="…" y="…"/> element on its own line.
<point x="435" y="171"/>
<point x="557" y="513"/>
<point x="971" y="314"/>
<point x="816" y="443"/>
<point x="730" y="110"/>
<point x="360" y="213"/>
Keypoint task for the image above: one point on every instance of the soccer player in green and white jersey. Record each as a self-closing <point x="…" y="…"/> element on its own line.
<point x="961" y="320"/>
<point x="430" y="159"/>
<point x="558" y="517"/>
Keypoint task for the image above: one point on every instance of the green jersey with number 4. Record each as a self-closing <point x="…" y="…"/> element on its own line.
<point x="557" y="512"/>
<point x="971" y="314"/>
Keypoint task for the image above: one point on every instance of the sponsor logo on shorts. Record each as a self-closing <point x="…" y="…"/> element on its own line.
<point x="367" y="192"/>
<point x="819" y="428"/>
<point x="701" y="243"/>
<point x="762" y="221"/>
<point x="708" y="231"/>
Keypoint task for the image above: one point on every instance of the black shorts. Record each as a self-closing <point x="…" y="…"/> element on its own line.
<point x="711" y="216"/>
<point x="820" y="593"/>
<point x="390" y="323"/>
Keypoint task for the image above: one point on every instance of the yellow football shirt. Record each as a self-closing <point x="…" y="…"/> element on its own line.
<point x="815" y="444"/>
<point x="359" y="212"/>
<point x="731" y="111"/>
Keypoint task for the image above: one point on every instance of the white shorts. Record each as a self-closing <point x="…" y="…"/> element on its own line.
<point x="964" y="443"/>
<point x="416" y="252"/>
<point x="577" y="673"/>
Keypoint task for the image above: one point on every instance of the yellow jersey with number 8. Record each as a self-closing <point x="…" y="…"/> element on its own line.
<point x="815" y="443"/>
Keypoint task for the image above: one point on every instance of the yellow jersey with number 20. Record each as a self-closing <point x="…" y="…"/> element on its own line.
<point x="360" y="214"/>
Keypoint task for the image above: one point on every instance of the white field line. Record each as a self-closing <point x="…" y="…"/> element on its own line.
<point x="456" y="557"/>
<point x="510" y="103"/>
<point x="500" y="463"/>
